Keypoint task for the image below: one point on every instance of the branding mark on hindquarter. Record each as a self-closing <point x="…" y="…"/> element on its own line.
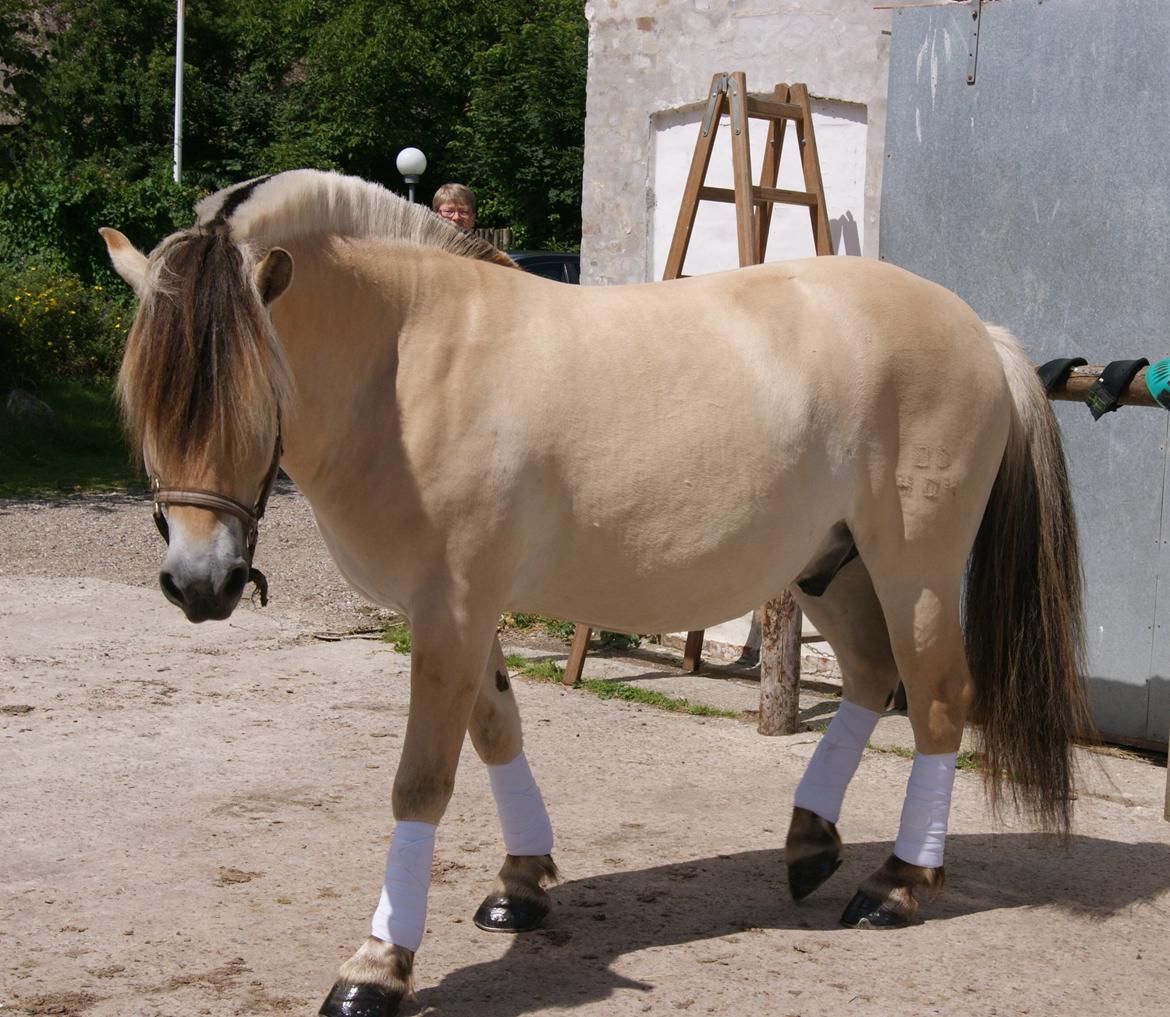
<point x="926" y="457"/>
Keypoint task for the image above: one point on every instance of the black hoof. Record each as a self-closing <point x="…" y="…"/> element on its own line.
<point x="348" y="1000"/>
<point x="508" y="914"/>
<point x="865" y="912"/>
<point x="809" y="873"/>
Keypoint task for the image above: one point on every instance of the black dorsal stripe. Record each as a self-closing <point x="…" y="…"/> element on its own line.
<point x="235" y="200"/>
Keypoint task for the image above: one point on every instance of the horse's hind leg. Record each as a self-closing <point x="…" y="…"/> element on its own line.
<point x="518" y="902"/>
<point x="849" y="616"/>
<point x="922" y="614"/>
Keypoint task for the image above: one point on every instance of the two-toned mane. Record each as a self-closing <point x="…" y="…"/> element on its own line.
<point x="275" y="210"/>
<point x="201" y="360"/>
<point x="370" y="349"/>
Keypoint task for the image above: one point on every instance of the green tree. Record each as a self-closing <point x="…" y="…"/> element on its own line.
<point x="522" y="141"/>
<point x="378" y="75"/>
<point x="21" y="42"/>
<point x="491" y="90"/>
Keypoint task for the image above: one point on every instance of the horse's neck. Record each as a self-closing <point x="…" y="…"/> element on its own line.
<point x="339" y="323"/>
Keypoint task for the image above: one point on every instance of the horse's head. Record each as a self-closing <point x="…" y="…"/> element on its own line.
<point x="202" y="384"/>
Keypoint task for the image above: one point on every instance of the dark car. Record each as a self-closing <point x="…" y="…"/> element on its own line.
<point x="550" y="264"/>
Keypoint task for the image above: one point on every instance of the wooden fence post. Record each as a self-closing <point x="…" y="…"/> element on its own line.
<point x="780" y="666"/>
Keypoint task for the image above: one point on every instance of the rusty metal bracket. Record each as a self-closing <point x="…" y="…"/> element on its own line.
<point x="975" y="9"/>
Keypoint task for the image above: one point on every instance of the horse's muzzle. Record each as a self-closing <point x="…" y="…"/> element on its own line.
<point x="205" y="598"/>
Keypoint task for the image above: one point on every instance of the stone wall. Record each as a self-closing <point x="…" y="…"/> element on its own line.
<point x="650" y="57"/>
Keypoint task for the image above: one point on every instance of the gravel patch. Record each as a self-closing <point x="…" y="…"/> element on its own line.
<point x="112" y="536"/>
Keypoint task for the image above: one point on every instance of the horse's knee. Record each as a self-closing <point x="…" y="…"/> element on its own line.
<point x="421" y="795"/>
<point x="495" y="723"/>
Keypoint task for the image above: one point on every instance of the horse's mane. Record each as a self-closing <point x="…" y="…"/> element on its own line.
<point x="203" y="374"/>
<point x="274" y="210"/>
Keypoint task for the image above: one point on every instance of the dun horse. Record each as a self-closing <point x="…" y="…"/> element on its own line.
<point x="871" y="442"/>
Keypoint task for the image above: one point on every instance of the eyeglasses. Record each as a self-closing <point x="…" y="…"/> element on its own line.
<point x="451" y="212"/>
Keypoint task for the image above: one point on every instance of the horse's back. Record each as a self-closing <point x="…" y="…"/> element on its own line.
<point x="822" y="357"/>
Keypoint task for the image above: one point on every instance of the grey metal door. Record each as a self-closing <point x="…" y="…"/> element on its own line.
<point x="1041" y="194"/>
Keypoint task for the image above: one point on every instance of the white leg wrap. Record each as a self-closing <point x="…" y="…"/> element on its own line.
<point x="923" y="830"/>
<point x="401" y="917"/>
<point x="822" y="788"/>
<point x="523" y="817"/>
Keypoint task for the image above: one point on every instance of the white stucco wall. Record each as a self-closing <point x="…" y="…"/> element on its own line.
<point x="650" y="62"/>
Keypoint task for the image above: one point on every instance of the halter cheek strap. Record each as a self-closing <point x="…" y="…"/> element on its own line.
<point x="250" y="517"/>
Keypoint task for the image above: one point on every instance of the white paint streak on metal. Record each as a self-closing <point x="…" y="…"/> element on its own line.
<point x="933" y="76"/>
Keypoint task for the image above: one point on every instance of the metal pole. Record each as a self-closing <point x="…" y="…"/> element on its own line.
<point x="178" y="150"/>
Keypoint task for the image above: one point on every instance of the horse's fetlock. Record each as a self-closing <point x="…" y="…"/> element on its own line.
<point x="525" y="877"/>
<point x="383" y="964"/>
<point x="897" y="883"/>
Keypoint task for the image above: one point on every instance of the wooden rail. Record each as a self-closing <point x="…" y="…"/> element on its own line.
<point x="760" y="196"/>
<point x="1081" y="379"/>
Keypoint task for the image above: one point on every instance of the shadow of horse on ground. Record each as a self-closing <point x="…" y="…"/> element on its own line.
<point x="596" y="921"/>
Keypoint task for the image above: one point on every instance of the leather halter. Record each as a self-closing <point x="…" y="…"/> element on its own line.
<point x="250" y="517"/>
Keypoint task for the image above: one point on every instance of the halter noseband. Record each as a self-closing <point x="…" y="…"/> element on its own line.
<point x="250" y="517"/>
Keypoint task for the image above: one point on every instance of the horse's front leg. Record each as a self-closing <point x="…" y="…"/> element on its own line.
<point x="518" y="901"/>
<point x="446" y="663"/>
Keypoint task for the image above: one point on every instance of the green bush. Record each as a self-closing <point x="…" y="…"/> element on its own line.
<point x="50" y="214"/>
<point x="52" y="325"/>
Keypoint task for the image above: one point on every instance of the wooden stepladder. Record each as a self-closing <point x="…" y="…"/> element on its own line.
<point x="728" y="96"/>
<point x="753" y="205"/>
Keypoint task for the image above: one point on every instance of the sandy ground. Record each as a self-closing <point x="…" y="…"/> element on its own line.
<point x="193" y="821"/>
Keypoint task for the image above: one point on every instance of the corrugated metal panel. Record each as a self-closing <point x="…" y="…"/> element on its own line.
<point x="1041" y="194"/>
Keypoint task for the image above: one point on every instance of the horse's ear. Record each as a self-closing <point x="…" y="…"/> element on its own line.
<point x="129" y="262"/>
<point x="273" y="274"/>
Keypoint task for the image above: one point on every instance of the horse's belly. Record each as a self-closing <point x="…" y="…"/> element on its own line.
<point x="691" y="581"/>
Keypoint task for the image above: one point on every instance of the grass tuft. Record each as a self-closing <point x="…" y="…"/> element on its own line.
<point x="550" y="670"/>
<point x="397" y="634"/>
<point x="540" y="670"/>
<point x="521" y="621"/>
<point x="966" y="760"/>
<point x="605" y="689"/>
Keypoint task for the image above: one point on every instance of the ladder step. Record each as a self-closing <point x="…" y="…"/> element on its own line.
<point x="760" y="196"/>
<point x="769" y="109"/>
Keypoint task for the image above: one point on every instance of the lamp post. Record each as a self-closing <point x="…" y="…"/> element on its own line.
<point x="180" y="16"/>
<point x="412" y="164"/>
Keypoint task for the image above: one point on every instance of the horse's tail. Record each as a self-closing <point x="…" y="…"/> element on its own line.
<point x="1023" y="617"/>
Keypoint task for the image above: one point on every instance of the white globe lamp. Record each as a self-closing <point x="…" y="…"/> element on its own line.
<point x="412" y="164"/>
